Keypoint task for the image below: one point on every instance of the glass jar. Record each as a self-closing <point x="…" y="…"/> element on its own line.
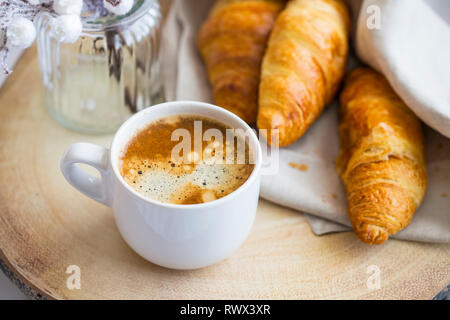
<point x="109" y="73"/>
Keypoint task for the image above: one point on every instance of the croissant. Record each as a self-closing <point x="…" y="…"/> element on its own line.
<point x="382" y="160"/>
<point x="302" y="67"/>
<point x="232" y="43"/>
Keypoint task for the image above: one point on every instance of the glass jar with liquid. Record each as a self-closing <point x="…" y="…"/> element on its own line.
<point x="109" y="73"/>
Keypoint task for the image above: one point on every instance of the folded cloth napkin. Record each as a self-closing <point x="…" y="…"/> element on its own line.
<point x="408" y="45"/>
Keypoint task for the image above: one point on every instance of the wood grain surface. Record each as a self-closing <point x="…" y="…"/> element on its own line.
<point x="46" y="226"/>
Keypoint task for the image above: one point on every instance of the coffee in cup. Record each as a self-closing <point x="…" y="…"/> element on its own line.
<point x="186" y="159"/>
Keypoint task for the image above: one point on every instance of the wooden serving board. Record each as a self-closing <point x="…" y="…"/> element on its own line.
<point x="46" y="226"/>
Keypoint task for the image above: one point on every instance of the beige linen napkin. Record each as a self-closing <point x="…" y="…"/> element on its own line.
<point x="408" y="57"/>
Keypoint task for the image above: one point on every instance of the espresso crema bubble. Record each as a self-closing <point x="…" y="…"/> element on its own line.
<point x="179" y="160"/>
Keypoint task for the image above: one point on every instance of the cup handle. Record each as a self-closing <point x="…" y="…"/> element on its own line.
<point x="98" y="157"/>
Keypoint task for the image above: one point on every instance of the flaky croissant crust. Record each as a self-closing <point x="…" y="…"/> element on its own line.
<point x="303" y="66"/>
<point x="382" y="158"/>
<point x="232" y="43"/>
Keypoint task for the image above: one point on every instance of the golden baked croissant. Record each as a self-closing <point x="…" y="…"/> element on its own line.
<point x="303" y="66"/>
<point x="232" y="43"/>
<point x="382" y="160"/>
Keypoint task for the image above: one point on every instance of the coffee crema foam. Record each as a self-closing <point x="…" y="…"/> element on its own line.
<point x="148" y="167"/>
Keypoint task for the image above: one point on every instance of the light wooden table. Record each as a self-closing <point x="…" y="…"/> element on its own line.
<point x="46" y="225"/>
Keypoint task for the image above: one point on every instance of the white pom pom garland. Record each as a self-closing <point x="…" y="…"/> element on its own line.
<point x="66" y="28"/>
<point x="65" y="7"/>
<point x="21" y="32"/>
<point x="118" y="7"/>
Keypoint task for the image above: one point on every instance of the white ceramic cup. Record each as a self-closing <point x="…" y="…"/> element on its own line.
<point x="170" y="235"/>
